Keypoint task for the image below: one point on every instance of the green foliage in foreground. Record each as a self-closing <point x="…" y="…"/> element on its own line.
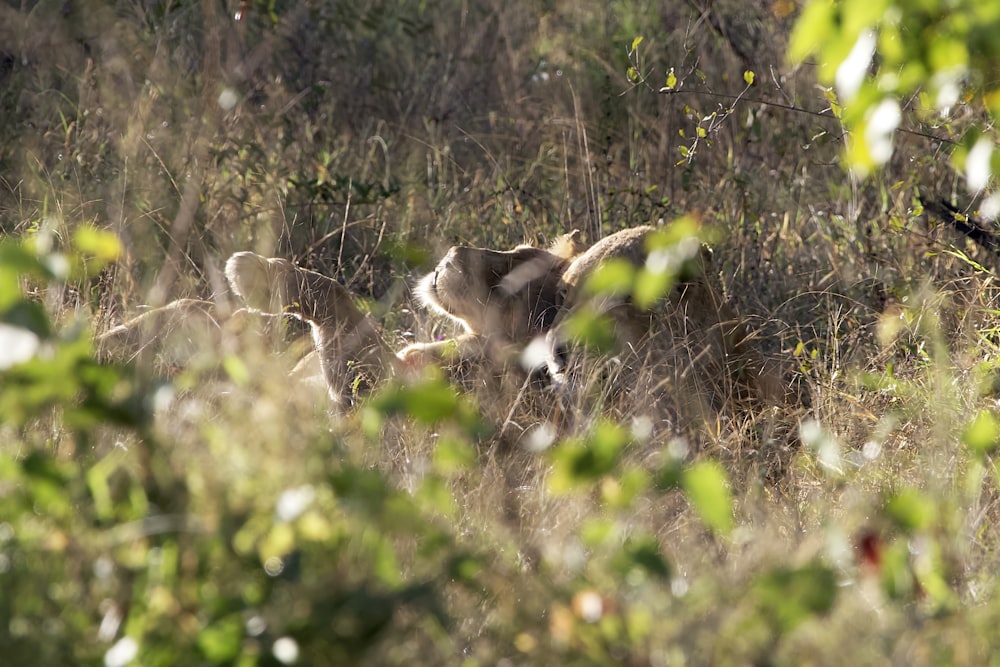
<point x="926" y="55"/>
<point x="143" y="553"/>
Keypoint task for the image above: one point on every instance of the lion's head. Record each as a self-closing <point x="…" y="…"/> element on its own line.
<point x="513" y="294"/>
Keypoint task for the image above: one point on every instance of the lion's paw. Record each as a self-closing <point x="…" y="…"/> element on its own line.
<point x="416" y="356"/>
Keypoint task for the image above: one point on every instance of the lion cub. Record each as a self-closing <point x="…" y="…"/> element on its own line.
<point x="502" y="299"/>
<point x="349" y="345"/>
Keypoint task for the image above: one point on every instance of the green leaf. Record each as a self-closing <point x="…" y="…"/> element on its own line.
<point x="221" y="641"/>
<point x="464" y="568"/>
<point x="236" y="370"/>
<point x="102" y="245"/>
<point x="598" y="530"/>
<point x="707" y="488"/>
<point x="910" y="510"/>
<point x="813" y="26"/>
<point x="619" y="491"/>
<point x="577" y="462"/>
<point x="28" y="315"/>
<point x="613" y="277"/>
<point x="642" y="554"/>
<point x="428" y="402"/>
<point x="452" y="455"/>
<point x="651" y="286"/>
<point x="749" y="77"/>
<point x="787" y="597"/>
<point x="386" y="565"/>
<point x="635" y="44"/>
<point x="669" y="476"/>
<point x="436" y="496"/>
<point x="671" y="82"/>
<point x="592" y="329"/>
<point x="983" y="434"/>
<point x="632" y="74"/>
<point x="15" y="257"/>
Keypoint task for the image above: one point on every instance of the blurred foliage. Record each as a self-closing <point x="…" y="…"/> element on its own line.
<point x="220" y="516"/>
<point x="927" y="58"/>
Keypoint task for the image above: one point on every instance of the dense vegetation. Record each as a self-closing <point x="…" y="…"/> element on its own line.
<point x="185" y="504"/>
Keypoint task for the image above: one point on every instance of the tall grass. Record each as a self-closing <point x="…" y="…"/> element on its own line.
<point x="203" y="507"/>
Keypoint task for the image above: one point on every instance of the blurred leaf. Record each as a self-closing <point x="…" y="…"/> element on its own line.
<point x="619" y="491"/>
<point x="278" y="543"/>
<point x="983" y="434"/>
<point x="453" y="454"/>
<point x="236" y="370"/>
<point x="428" y="402"/>
<point x="221" y="641"/>
<point x="613" y="278"/>
<point x="100" y="491"/>
<point x="748" y="77"/>
<point x="102" y="245"/>
<point x="788" y="597"/>
<point x="385" y="565"/>
<point x="811" y="29"/>
<point x="408" y="253"/>
<point x="597" y="530"/>
<point x="49" y="483"/>
<point x="577" y="462"/>
<point x="369" y="493"/>
<point x="910" y="510"/>
<point x="707" y="488"/>
<point x="436" y="496"/>
<point x="635" y="43"/>
<point x="670" y="475"/>
<point x="465" y="568"/>
<point x="592" y="329"/>
<point x="17" y="261"/>
<point x="28" y="315"/>
<point x="642" y="553"/>
<point x="898" y="581"/>
<point x="651" y="286"/>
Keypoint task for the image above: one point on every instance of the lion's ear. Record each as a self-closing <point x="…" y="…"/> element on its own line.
<point x="568" y="245"/>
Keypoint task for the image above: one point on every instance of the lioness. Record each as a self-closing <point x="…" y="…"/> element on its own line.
<point x="692" y="313"/>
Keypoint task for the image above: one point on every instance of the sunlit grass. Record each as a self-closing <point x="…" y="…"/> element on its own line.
<point x="199" y="505"/>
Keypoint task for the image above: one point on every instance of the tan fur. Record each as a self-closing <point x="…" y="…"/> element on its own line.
<point x="349" y="344"/>
<point x="694" y="310"/>
<point x="502" y="300"/>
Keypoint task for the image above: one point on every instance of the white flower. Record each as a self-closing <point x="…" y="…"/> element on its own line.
<point x="286" y="650"/>
<point x="977" y="165"/>
<point x="17" y="345"/>
<point x="854" y="68"/>
<point x="882" y="123"/>
<point x="293" y="502"/>
<point x="122" y="653"/>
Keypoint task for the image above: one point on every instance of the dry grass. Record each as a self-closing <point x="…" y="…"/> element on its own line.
<point x="366" y="140"/>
